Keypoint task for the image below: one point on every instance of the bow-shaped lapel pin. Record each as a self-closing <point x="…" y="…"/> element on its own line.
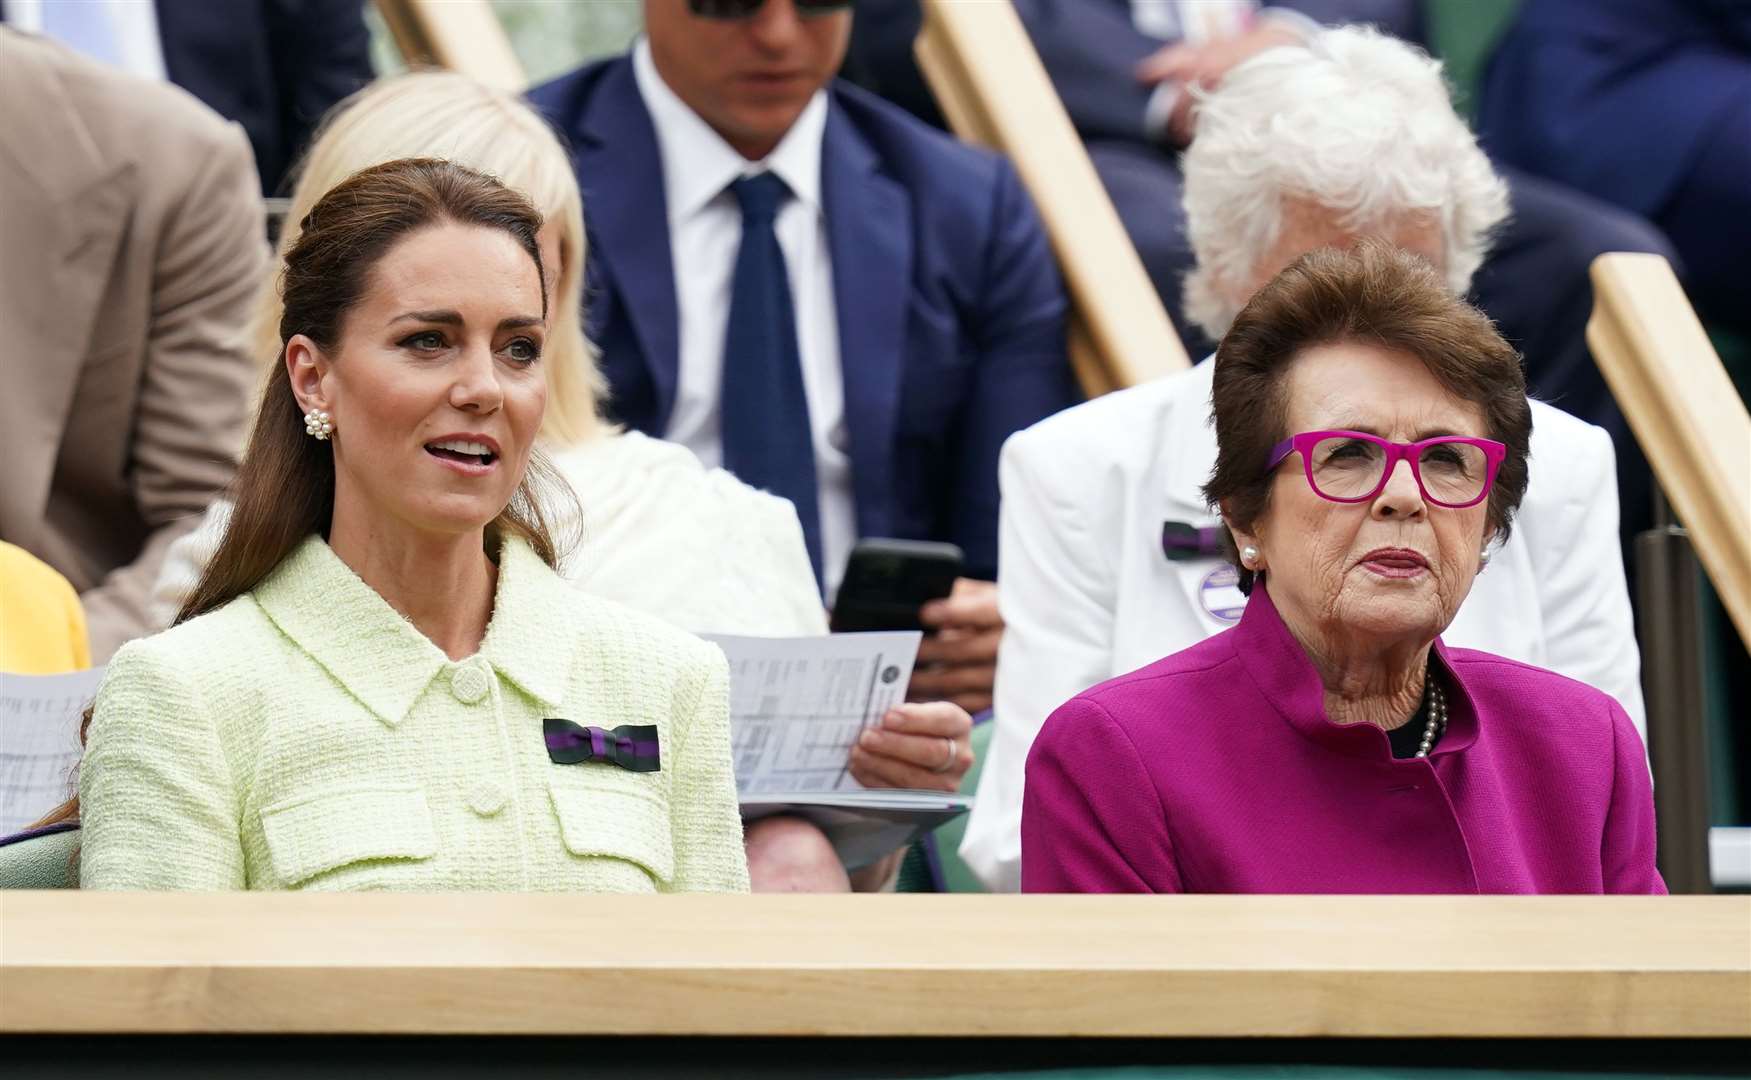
<point x="632" y="748"/>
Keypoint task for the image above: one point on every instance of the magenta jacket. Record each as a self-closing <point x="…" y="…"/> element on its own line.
<point x="1215" y="770"/>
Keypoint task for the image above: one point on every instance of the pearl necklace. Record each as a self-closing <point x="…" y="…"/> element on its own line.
<point x="1437" y="718"/>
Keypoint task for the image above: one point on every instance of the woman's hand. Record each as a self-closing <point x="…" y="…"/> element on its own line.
<point x="921" y="745"/>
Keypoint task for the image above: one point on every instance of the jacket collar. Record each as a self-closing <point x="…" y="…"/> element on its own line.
<point x="385" y="662"/>
<point x="1281" y="670"/>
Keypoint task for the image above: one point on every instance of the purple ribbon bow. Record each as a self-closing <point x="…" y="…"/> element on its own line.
<point x="632" y="748"/>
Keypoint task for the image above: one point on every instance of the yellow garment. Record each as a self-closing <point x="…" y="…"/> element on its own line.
<point x="307" y="736"/>
<point x="42" y="626"/>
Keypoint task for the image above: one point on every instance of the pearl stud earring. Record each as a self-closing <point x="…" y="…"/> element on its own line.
<point x="318" y="424"/>
<point x="1249" y="556"/>
<point x="1483" y="558"/>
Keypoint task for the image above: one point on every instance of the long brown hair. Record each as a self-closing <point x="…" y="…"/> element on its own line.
<point x="284" y="488"/>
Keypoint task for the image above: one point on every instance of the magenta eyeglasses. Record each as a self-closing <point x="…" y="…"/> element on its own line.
<point x="1454" y="471"/>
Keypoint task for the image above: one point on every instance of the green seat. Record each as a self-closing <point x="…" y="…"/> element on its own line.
<point x="43" y="859"/>
<point x="1464" y="33"/>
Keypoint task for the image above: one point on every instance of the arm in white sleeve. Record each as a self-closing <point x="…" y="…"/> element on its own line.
<point x="1055" y="589"/>
<point x="1589" y="629"/>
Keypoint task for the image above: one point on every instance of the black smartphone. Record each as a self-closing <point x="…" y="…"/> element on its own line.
<point x="887" y="581"/>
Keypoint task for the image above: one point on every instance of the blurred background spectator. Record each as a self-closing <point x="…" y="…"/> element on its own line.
<point x="42" y="626"/>
<point x="130" y="244"/>
<point x="273" y="66"/>
<point x="800" y="282"/>
<point x="1647" y="105"/>
<point x="1125" y="70"/>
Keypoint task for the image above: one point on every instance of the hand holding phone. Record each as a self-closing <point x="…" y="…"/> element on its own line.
<point x="887" y="582"/>
<point x="958" y="662"/>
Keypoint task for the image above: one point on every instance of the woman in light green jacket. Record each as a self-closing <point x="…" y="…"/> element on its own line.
<point x="380" y="682"/>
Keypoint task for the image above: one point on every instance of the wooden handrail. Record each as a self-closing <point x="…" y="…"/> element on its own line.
<point x="1684" y="411"/>
<point x="461" y="35"/>
<point x="875" y="965"/>
<point x="991" y="86"/>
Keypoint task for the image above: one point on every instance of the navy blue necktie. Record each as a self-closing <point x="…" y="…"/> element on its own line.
<point x="767" y="441"/>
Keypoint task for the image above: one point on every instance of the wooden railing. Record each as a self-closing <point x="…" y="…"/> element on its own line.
<point x="994" y="91"/>
<point x="461" y="35"/>
<point x="1684" y="411"/>
<point x="882" y="965"/>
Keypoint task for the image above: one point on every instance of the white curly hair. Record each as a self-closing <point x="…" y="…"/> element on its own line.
<point x="1352" y="121"/>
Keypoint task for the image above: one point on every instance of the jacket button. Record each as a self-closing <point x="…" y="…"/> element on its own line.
<point x="469" y="683"/>
<point x="486" y="799"/>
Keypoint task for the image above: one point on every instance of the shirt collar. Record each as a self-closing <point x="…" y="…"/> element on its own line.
<point x="381" y="659"/>
<point x="698" y="164"/>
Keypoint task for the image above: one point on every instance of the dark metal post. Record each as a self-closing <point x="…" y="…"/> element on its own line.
<point x="1669" y="622"/>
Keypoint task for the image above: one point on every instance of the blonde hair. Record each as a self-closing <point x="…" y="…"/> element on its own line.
<point x="440" y="114"/>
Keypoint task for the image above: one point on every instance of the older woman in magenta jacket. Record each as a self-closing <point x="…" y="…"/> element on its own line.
<point x="1372" y="440"/>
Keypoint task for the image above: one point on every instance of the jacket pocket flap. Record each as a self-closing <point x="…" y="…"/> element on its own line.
<point x="618" y="824"/>
<point x="312" y="833"/>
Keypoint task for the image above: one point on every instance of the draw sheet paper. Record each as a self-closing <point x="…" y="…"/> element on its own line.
<point x="797" y="705"/>
<point x="39" y="742"/>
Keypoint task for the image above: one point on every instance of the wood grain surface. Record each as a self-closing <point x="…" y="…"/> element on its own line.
<point x="876" y="965"/>
<point x="993" y="90"/>
<point x="1684" y="411"/>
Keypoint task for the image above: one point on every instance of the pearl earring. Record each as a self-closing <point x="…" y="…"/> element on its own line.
<point x="318" y="424"/>
<point x="1483" y="558"/>
<point x="1249" y="555"/>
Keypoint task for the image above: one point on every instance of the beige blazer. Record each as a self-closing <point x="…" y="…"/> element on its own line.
<point x="131" y="242"/>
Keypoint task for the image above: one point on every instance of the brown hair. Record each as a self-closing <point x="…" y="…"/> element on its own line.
<point x="284" y="488"/>
<point x="1377" y="294"/>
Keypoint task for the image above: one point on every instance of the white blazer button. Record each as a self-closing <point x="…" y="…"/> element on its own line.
<point x="486" y="799"/>
<point x="469" y="683"/>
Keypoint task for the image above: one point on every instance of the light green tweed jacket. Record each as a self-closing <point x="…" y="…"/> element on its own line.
<point x="306" y="736"/>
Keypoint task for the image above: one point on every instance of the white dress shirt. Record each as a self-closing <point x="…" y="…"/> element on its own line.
<point x="705" y="232"/>
<point x="1088" y="595"/>
<point x="132" y="30"/>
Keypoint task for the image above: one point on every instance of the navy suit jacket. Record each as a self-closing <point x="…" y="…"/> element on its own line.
<point x="950" y="309"/>
<point x="1615" y="97"/>
<point x="273" y="66"/>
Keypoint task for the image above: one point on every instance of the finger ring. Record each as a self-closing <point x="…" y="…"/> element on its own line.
<point x="953" y="753"/>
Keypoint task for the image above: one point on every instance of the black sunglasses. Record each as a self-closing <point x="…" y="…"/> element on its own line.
<point x="743" y="9"/>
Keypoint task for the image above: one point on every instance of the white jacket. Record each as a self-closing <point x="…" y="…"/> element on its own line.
<point x="1088" y="595"/>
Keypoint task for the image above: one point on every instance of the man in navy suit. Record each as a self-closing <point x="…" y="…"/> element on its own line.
<point x="1646" y="104"/>
<point x="887" y="293"/>
<point x="273" y="66"/>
